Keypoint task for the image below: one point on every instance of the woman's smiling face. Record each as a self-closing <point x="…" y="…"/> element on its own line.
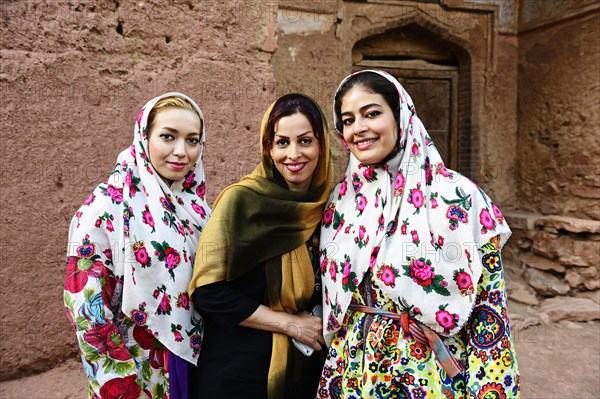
<point x="369" y="126"/>
<point x="295" y="151"/>
<point x="174" y="142"/>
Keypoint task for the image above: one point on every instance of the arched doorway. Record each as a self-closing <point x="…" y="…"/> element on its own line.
<point x="435" y="73"/>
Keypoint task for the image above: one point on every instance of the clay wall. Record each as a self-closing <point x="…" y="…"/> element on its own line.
<point x="556" y="241"/>
<point x="73" y="77"/>
<point x="559" y="144"/>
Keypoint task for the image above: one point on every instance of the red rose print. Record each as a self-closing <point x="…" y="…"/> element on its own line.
<point x="121" y="388"/>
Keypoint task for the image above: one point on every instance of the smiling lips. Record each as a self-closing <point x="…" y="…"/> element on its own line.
<point x="177" y="165"/>
<point x="295" y="167"/>
<point x="364" y="144"/>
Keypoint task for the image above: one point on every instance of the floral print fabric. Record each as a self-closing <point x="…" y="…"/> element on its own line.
<point x="411" y="223"/>
<point x="131" y="250"/>
<point x="119" y="356"/>
<point x="371" y="357"/>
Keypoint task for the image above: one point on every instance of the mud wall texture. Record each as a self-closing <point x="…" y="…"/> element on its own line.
<point x="557" y="232"/>
<point x="73" y="76"/>
<point x="559" y="93"/>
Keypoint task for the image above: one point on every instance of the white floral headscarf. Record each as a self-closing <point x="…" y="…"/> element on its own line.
<point x="149" y="231"/>
<point x="413" y="223"/>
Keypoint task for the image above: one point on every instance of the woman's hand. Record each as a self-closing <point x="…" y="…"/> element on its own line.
<point x="306" y="329"/>
<point x="143" y="396"/>
<point x="301" y="326"/>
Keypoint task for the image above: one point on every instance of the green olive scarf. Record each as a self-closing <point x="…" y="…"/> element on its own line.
<point x="259" y="221"/>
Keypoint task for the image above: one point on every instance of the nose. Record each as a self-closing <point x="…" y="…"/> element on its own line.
<point x="294" y="152"/>
<point x="359" y="126"/>
<point x="179" y="148"/>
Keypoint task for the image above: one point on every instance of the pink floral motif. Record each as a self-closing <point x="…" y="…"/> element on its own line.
<point x="346" y="272"/>
<point x="415" y="236"/>
<point x="433" y="203"/>
<point x="499" y="216"/>
<point x="361" y="232"/>
<point x="324" y="264"/>
<point x="116" y="194"/>
<point x="399" y="184"/>
<point x="441" y="170"/>
<point x="109" y="225"/>
<point x="189" y="181"/>
<point x="373" y="259"/>
<point x="416" y="198"/>
<point x="139" y="119"/>
<point x="369" y="173"/>
<point x="183" y="301"/>
<point x="421" y="272"/>
<point x="343" y="189"/>
<point x="486" y="221"/>
<point x="388" y="275"/>
<point x="403" y="229"/>
<point x="178" y="336"/>
<point x="201" y="190"/>
<point x="141" y="255"/>
<point x="139" y="317"/>
<point x="464" y="282"/>
<point x="89" y="199"/>
<point x="147" y="218"/>
<point x="172" y="258"/>
<point x="361" y="203"/>
<point x="165" y="305"/>
<point x="446" y="319"/>
<point x="327" y="217"/>
<point x="198" y="209"/>
<point x="415" y="149"/>
<point x="333" y="270"/>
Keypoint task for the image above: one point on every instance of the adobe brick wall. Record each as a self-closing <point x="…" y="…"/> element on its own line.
<point x="73" y="76"/>
<point x="559" y="144"/>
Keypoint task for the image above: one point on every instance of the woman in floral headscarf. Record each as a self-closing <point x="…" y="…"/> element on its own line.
<point x="130" y="256"/>
<point x="254" y="275"/>
<point x="414" y="299"/>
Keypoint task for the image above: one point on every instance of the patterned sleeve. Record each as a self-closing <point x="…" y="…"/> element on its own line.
<point x="89" y="293"/>
<point x="492" y="369"/>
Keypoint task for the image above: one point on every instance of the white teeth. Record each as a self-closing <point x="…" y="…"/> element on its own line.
<point x="366" y="141"/>
<point x="295" y="167"/>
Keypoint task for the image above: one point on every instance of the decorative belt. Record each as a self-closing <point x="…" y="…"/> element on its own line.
<point x="421" y="333"/>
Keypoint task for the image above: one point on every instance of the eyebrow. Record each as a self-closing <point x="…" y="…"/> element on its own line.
<point x="363" y="108"/>
<point x="173" y="130"/>
<point x="301" y="135"/>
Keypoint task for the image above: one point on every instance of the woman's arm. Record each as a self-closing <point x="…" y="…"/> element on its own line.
<point x="301" y="326"/>
<point x="226" y="304"/>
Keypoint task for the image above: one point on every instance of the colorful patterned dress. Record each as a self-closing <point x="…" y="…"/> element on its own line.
<point x="378" y="360"/>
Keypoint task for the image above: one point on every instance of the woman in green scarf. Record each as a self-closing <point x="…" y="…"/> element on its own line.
<point x="254" y="273"/>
